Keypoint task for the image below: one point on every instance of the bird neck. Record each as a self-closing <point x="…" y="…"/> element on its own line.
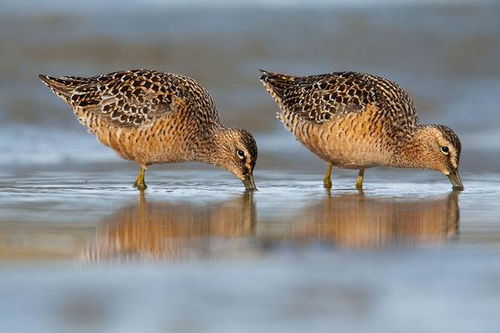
<point x="213" y="146"/>
<point x="412" y="152"/>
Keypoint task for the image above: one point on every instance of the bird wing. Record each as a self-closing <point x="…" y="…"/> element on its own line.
<point x="318" y="98"/>
<point x="126" y="99"/>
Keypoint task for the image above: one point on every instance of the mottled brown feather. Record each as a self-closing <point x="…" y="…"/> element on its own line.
<point x="358" y="120"/>
<point x="131" y="98"/>
<point x="154" y="117"/>
<point x="319" y="97"/>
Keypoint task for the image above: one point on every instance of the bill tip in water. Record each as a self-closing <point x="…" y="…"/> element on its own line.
<point x="249" y="183"/>
<point x="455" y="180"/>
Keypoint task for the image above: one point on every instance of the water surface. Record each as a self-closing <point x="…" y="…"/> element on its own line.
<point x="202" y="214"/>
<point x="84" y="250"/>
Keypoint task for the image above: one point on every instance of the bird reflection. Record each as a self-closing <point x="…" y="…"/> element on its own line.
<point x="185" y="230"/>
<point x="356" y="221"/>
<point x="173" y="231"/>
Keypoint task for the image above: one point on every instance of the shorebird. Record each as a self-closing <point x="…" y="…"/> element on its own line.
<point x="152" y="117"/>
<point x="357" y="121"/>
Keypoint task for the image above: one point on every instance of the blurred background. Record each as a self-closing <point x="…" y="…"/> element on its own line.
<point x="82" y="251"/>
<point x="445" y="53"/>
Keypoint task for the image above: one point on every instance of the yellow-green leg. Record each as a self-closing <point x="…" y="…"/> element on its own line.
<point x="327" y="180"/>
<point x="359" y="180"/>
<point x="139" y="182"/>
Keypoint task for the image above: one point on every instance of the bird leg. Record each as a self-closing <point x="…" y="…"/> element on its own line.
<point x="327" y="180"/>
<point x="139" y="182"/>
<point x="359" y="180"/>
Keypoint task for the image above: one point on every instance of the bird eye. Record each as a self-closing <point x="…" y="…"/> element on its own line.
<point x="445" y="150"/>
<point x="241" y="153"/>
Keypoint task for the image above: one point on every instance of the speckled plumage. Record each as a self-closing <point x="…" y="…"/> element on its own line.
<point x="154" y="117"/>
<point x="356" y="121"/>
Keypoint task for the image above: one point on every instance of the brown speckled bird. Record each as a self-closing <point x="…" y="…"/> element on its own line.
<point x="357" y="121"/>
<point x="153" y="117"/>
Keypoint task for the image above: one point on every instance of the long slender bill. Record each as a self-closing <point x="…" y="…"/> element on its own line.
<point x="249" y="183"/>
<point x="455" y="180"/>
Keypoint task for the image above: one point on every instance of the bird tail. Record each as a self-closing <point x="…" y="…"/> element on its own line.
<point x="276" y="83"/>
<point x="62" y="87"/>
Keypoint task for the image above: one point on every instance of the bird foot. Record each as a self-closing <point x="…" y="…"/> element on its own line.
<point x="140" y="186"/>
<point x="327" y="183"/>
<point x="359" y="180"/>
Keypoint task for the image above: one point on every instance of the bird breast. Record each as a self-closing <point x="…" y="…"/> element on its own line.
<point x="354" y="140"/>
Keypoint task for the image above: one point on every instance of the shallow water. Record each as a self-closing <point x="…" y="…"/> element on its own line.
<point x="83" y="250"/>
<point x="205" y="214"/>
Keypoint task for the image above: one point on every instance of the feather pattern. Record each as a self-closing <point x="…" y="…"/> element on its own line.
<point x="154" y="117"/>
<point x="318" y="98"/>
<point x="132" y="98"/>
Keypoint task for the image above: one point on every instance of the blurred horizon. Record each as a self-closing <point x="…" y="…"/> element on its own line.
<point x="444" y="53"/>
<point x="89" y="5"/>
